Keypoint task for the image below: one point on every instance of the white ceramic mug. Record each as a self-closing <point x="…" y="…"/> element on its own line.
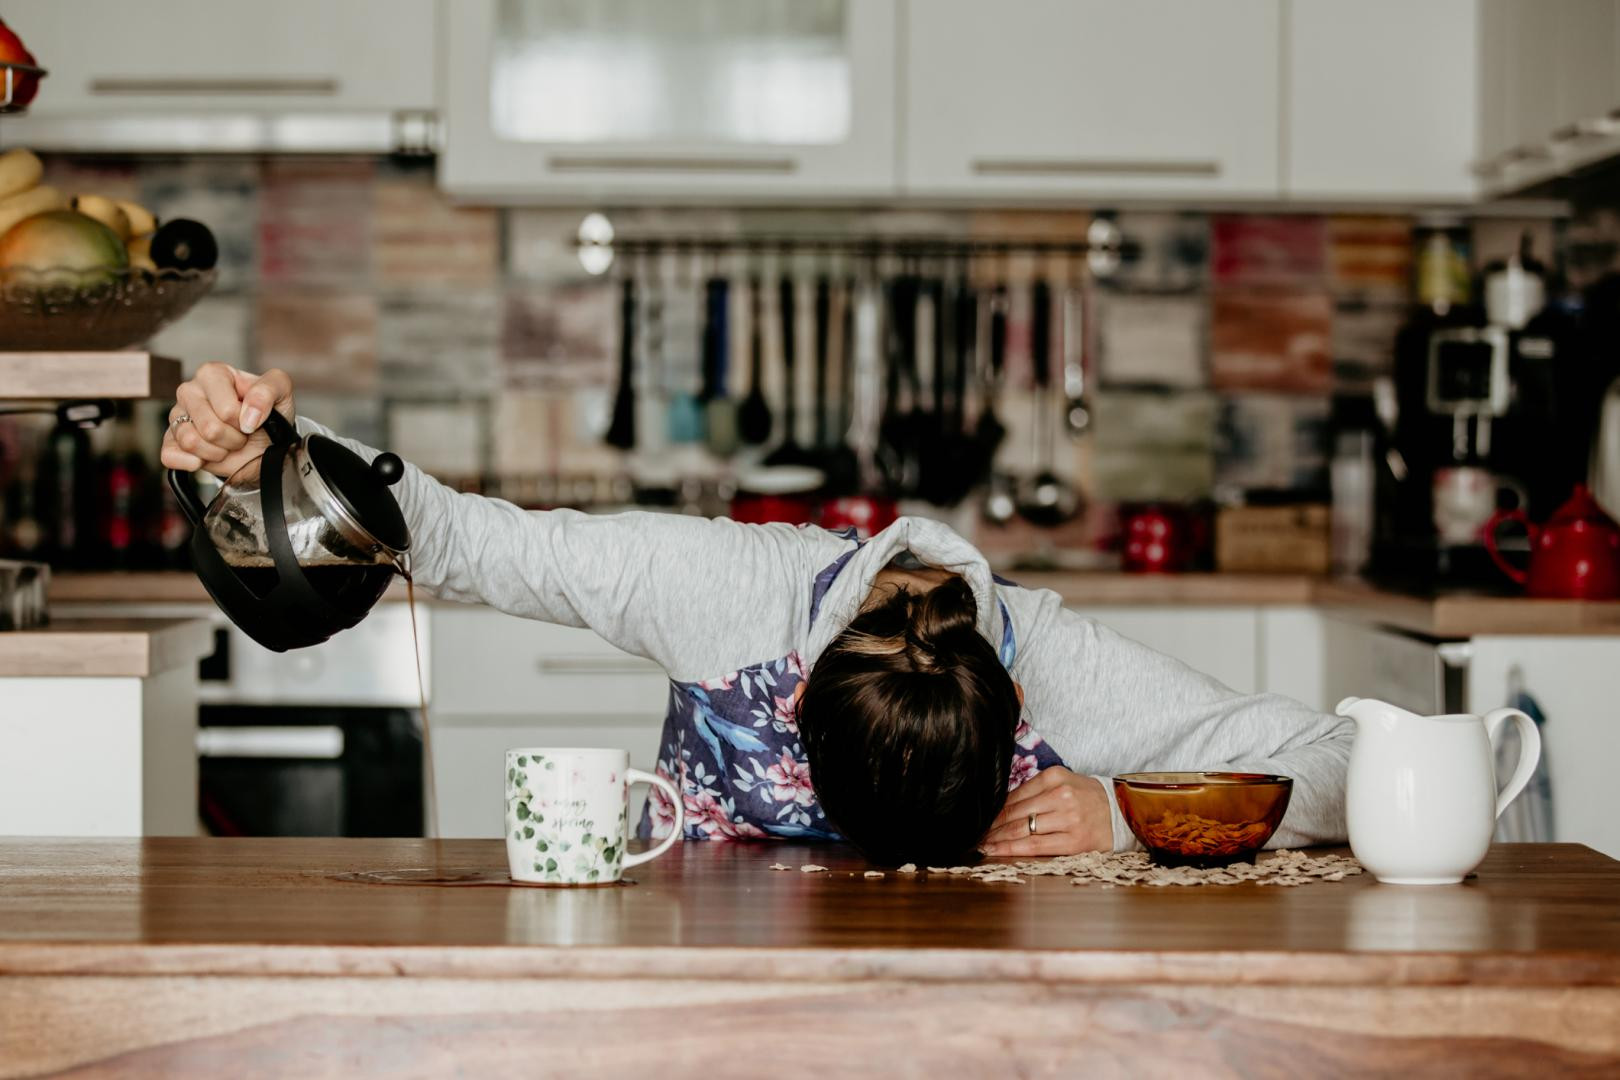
<point x="567" y="815"/>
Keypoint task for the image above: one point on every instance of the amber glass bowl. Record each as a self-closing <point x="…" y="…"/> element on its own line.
<point x="1202" y="818"/>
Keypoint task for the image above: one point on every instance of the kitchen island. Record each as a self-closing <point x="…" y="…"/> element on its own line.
<point x="98" y="727"/>
<point x="244" y="958"/>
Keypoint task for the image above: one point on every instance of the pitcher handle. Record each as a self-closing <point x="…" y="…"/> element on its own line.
<point x="636" y="776"/>
<point x="1529" y="751"/>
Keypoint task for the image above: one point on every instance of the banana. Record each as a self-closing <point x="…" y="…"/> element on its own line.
<point x="141" y="220"/>
<point x="140" y="253"/>
<point x="19" y="171"/>
<point x="105" y="211"/>
<point x="28" y="203"/>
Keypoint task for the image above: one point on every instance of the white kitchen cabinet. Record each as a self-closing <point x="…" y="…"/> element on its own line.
<point x="500" y="682"/>
<point x="1381" y="99"/>
<point x="489" y="664"/>
<point x="1061" y="98"/>
<point x="1548" y="87"/>
<point x="1219" y="641"/>
<point x="1577" y="684"/>
<point x="555" y="100"/>
<point x="224" y="74"/>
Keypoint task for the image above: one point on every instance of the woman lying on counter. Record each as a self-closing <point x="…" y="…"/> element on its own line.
<point x="890" y="691"/>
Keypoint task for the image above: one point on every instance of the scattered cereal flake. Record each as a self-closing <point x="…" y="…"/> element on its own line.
<point x="873" y="874"/>
<point x="908" y="868"/>
<point x="1282" y="867"/>
<point x="811" y="868"/>
<point x="780" y="866"/>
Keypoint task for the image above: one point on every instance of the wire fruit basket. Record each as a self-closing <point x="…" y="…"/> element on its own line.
<point x="44" y="310"/>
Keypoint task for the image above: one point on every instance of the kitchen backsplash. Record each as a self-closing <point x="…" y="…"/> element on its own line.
<point x="472" y="341"/>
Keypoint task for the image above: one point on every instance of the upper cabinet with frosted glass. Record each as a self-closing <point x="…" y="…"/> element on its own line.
<point x="592" y="99"/>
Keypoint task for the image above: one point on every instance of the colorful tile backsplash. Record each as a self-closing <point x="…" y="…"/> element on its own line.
<point x="473" y="340"/>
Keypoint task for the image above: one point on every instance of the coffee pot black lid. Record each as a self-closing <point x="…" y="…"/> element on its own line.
<point x="363" y="489"/>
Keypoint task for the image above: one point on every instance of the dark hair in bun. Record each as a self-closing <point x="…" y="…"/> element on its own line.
<point x="907" y="724"/>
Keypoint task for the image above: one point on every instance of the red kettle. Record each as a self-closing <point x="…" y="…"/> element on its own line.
<point x="1574" y="556"/>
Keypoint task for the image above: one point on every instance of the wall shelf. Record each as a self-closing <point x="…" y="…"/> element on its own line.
<point x="61" y="376"/>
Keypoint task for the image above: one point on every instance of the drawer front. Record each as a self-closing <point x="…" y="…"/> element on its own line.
<point x="1220" y="642"/>
<point x="469" y="758"/>
<point x="490" y="664"/>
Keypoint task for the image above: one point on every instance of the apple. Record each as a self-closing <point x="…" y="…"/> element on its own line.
<point x="61" y="248"/>
<point x="23" y="86"/>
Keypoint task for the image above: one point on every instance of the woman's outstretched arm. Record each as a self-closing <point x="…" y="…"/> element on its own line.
<point x="697" y="597"/>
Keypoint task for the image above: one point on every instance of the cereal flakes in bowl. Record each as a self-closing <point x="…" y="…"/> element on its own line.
<point x="1202" y="818"/>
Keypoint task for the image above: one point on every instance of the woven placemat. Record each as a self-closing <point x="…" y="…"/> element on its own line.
<point x="1108" y="869"/>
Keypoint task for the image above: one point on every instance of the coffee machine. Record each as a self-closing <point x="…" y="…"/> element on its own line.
<point x="1471" y="418"/>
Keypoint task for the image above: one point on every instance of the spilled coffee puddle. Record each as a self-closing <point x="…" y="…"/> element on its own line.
<point x="458" y="876"/>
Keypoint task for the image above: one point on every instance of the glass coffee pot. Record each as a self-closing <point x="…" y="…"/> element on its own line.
<point x="300" y="543"/>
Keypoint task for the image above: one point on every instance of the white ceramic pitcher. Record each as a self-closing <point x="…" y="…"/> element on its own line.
<point x="1421" y="796"/>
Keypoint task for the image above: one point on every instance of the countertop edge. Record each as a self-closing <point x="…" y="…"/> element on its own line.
<point x="105" y="648"/>
<point x="1439" y="617"/>
<point x="1247" y="968"/>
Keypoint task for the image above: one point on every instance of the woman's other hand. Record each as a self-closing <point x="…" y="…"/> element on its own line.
<point x="1071" y="815"/>
<point x="218" y="415"/>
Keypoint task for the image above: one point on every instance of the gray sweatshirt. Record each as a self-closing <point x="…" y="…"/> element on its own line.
<point x="703" y="597"/>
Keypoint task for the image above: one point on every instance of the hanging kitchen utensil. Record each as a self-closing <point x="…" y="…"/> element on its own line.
<point x="652" y="397"/>
<point x="1000" y="500"/>
<point x="934" y="483"/>
<point x="1076" y="410"/>
<point x="719" y="411"/>
<point x="898" y="430"/>
<point x="1045" y="499"/>
<point x="788" y="451"/>
<point x="754" y="415"/>
<point x="836" y="459"/>
<point x="866" y="379"/>
<point x="621" y="431"/>
<point x="685" y="423"/>
<point x="302" y="541"/>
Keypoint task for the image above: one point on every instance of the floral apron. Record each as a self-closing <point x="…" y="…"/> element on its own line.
<point x="731" y="747"/>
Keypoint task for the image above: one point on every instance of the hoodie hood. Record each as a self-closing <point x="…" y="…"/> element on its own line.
<point x="931" y="544"/>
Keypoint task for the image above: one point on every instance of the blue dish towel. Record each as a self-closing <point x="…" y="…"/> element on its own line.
<point x="1529" y="818"/>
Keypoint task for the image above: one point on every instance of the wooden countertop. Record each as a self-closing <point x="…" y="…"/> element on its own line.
<point x="1443" y="617"/>
<point x="1536" y="914"/>
<point x="105" y="647"/>
<point x="208" y="957"/>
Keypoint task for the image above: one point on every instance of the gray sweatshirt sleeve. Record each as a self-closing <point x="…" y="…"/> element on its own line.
<point x="696" y="596"/>
<point x="1110" y="705"/>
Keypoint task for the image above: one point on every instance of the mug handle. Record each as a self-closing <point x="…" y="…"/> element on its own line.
<point x="1529" y="751"/>
<point x="636" y="776"/>
<point x="1498" y="519"/>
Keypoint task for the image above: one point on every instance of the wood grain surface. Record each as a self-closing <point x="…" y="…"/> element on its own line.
<point x="58" y="376"/>
<point x="105" y="647"/>
<point x="257" y="958"/>
<point x="1535" y="915"/>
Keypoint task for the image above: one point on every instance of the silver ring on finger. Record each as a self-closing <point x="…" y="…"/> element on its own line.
<point x="1032" y="829"/>
<point x="178" y="420"/>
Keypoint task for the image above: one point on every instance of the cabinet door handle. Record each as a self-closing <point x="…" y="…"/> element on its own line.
<point x="593" y="665"/>
<point x="565" y="163"/>
<point x="1189" y="167"/>
<point x="182" y="87"/>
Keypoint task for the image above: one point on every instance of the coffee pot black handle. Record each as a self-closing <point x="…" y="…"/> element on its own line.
<point x="281" y="432"/>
